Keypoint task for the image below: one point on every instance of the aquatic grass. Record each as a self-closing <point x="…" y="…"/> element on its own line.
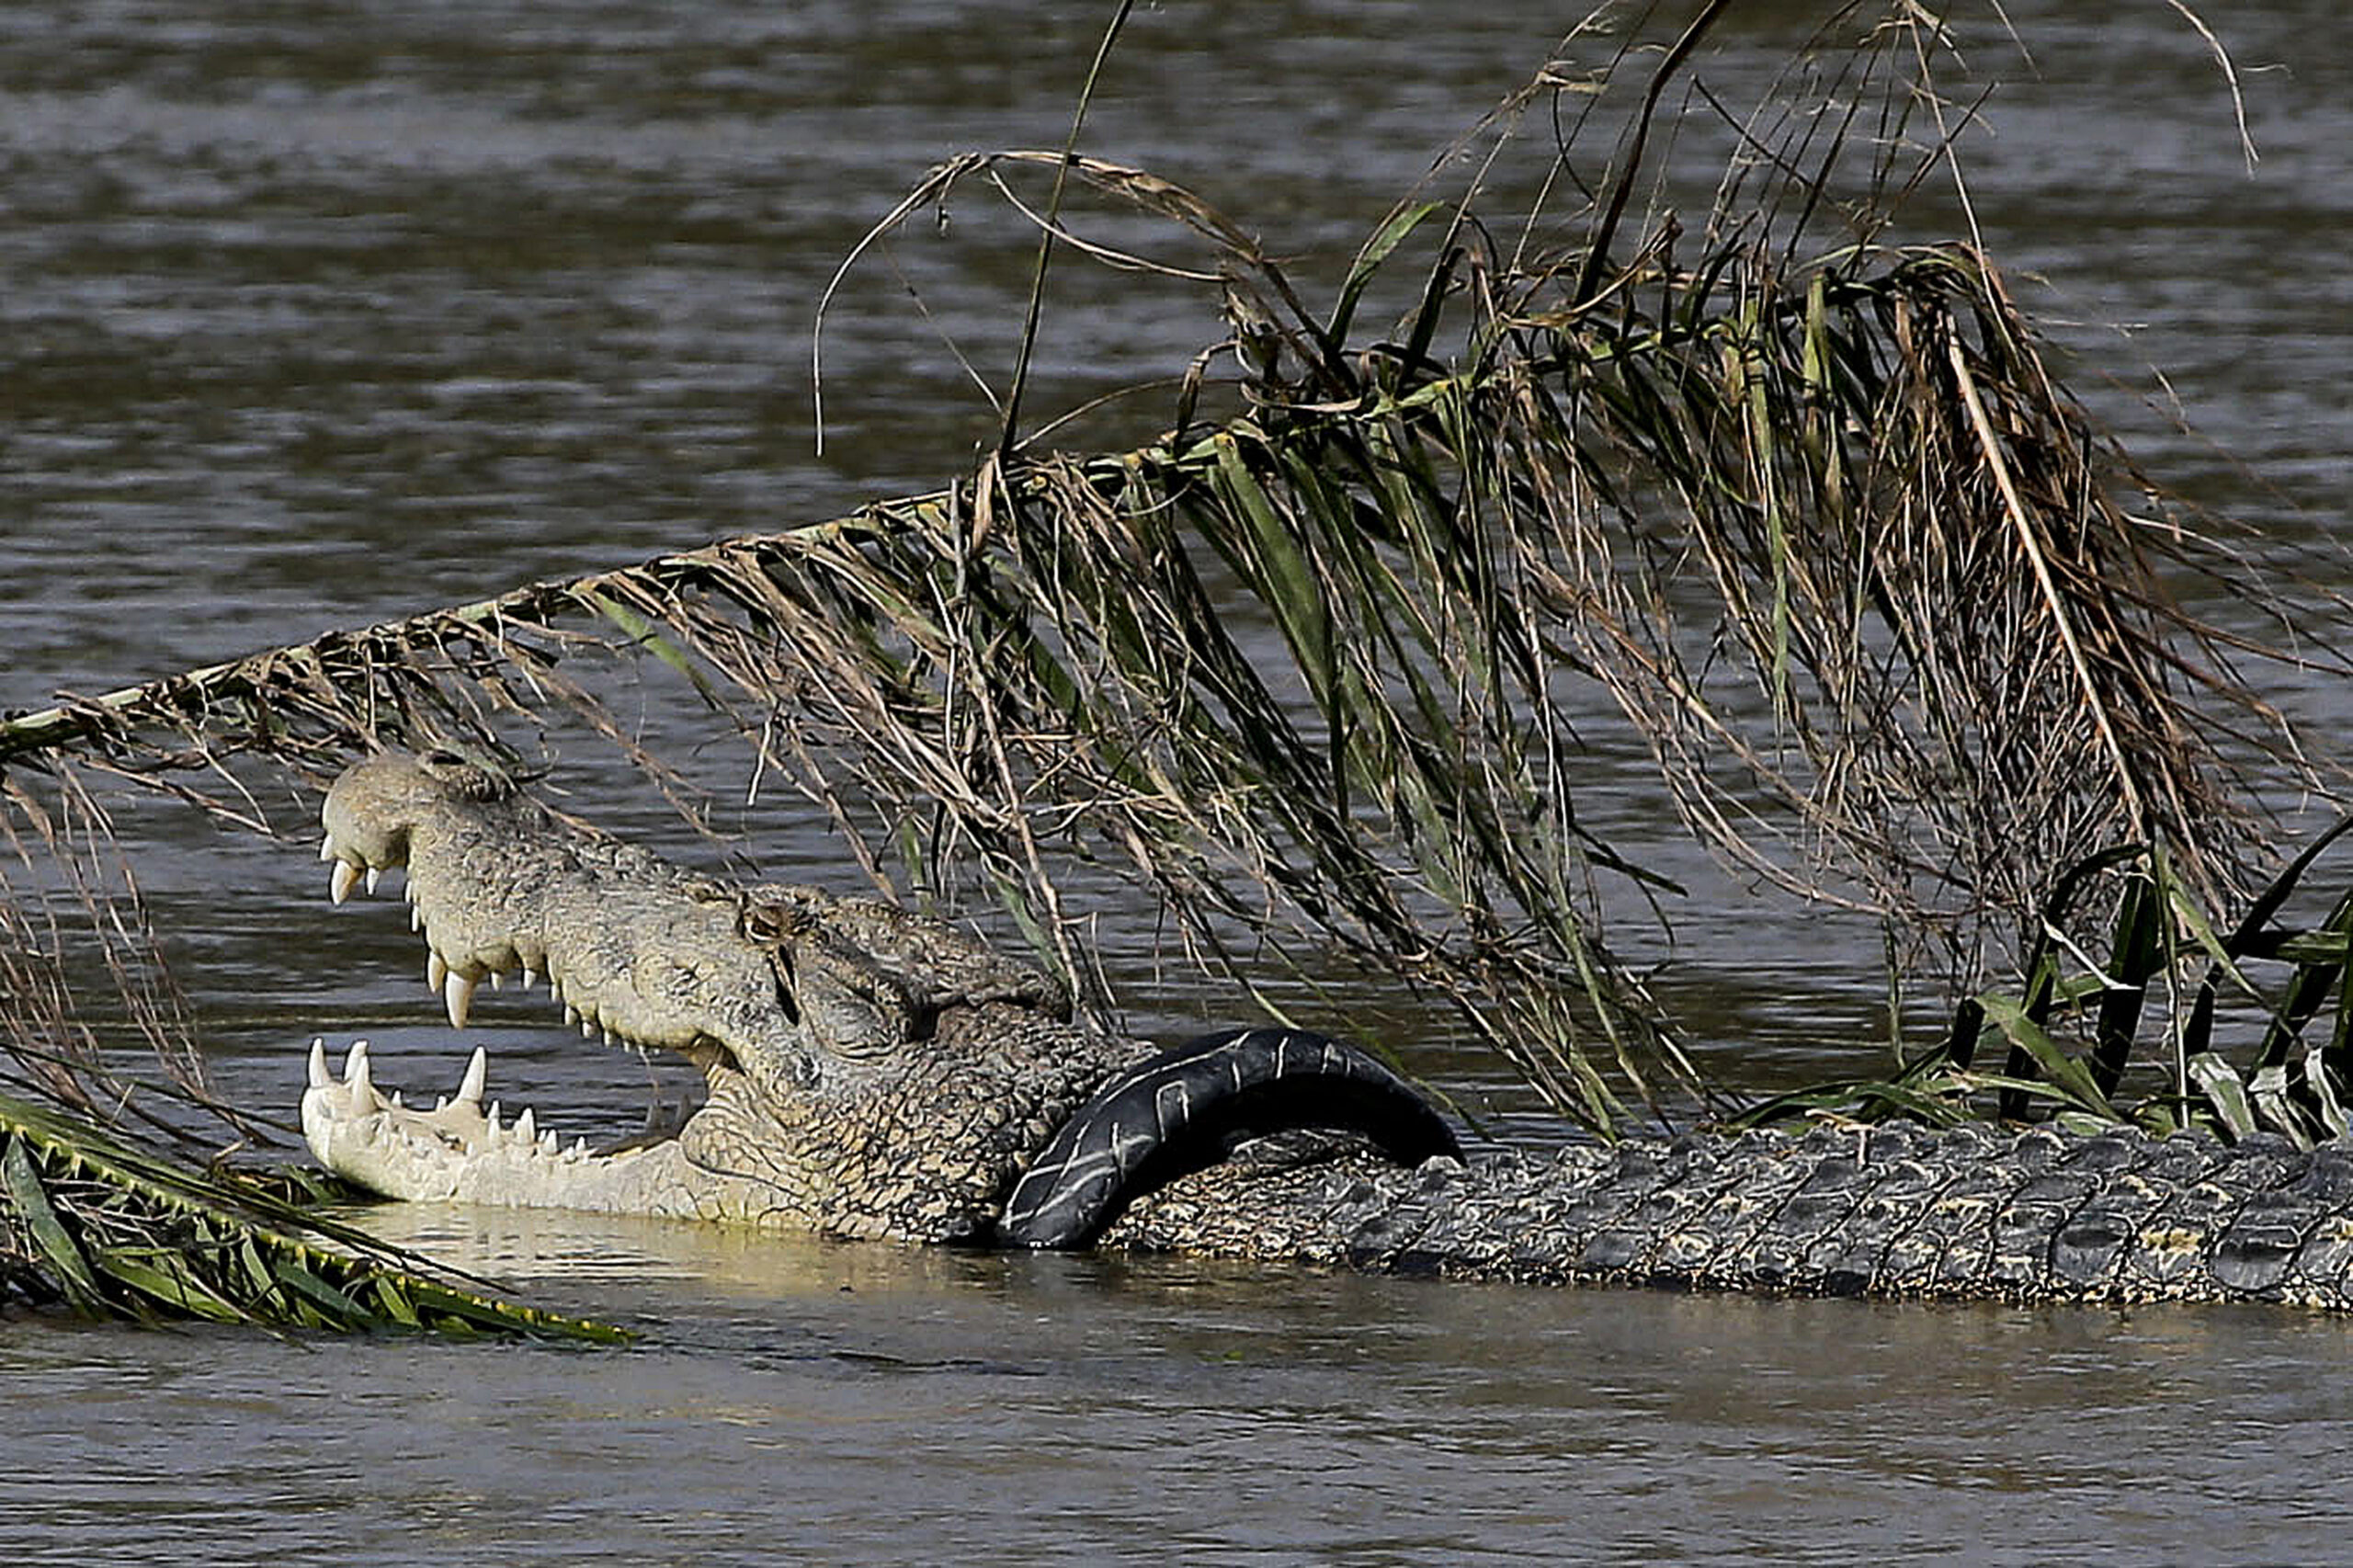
<point x="1457" y="562"/>
<point x="2209" y="1026"/>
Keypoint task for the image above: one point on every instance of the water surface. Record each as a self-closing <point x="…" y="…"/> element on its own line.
<point x="803" y="1402"/>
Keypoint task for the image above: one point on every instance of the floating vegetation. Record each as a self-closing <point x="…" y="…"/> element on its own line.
<point x="93" y="1223"/>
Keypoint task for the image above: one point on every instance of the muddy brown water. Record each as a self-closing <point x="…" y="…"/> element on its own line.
<point x="311" y="316"/>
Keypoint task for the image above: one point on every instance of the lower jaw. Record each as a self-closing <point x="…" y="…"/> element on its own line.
<point x="463" y="1151"/>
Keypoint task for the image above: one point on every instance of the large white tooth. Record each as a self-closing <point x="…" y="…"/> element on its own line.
<point x="527" y="1129"/>
<point x="340" y="883"/>
<point x="320" y="1076"/>
<point x="548" y="1142"/>
<point x="571" y="1015"/>
<point x="607" y="1035"/>
<point x="529" y="974"/>
<point x="416" y="918"/>
<point x="587" y="1030"/>
<point x="395" y="1097"/>
<point x="494" y="983"/>
<point x="493" y="1133"/>
<point x="458" y="993"/>
<point x="477" y="1074"/>
<point x="576" y="1150"/>
<point x="327" y="850"/>
<point x="375" y="875"/>
<point x="354" y="1071"/>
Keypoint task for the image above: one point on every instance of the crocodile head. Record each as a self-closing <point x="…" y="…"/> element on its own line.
<point x="870" y="1072"/>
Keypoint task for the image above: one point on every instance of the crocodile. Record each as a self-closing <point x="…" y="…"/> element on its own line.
<point x="873" y="1074"/>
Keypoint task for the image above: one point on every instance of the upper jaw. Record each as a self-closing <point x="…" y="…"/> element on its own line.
<point x="454" y="981"/>
<point x="479" y="927"/>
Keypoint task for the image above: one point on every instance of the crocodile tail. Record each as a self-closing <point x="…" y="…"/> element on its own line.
<point x="1188" y="1106"/>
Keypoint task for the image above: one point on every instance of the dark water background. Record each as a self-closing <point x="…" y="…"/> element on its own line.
<point x="312" y="315"/>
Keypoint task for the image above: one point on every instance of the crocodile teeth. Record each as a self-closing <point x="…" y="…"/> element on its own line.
<point x="416" y="918"/>
<point x="458" y="994"/>
<point x="525" y="1127"/>
<point x="587" y="1030"/>
<point x="375" y="875"/>
<point x="327" y="850"/>
<point x="354" y="1068"/>
<point x="495" y="980"/>
<point x="437" y="970"/>
<point x="571" y="1015"/>
<point x="340" y="884"/>
<point x="477" y="1074"/>
<point x="529" y="974"/>
<point x="320" y="1076"/>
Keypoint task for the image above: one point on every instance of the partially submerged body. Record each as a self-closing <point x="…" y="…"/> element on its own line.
<point x="872" y="1073"/>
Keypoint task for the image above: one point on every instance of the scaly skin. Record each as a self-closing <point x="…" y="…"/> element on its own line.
<point x="872" y="1073"/>
<point x="1897" y="1211"/>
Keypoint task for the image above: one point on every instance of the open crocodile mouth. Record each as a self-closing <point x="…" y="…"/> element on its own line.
<point x="359" y="1129"/>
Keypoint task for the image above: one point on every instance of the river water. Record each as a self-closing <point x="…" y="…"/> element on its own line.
<point x="320" y="314"/>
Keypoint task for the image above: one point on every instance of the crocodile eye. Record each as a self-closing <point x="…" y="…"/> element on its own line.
<point x="441" y="757"/>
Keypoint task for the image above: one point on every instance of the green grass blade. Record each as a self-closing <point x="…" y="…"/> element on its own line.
<point x="32" y="1203"/>
<point x="1377" y="249"/>
<point x="2060" y="1069"/>
<point x="2138" y="952"/>
<point x="166" y="1280"/>
<point x="641" y="633"/>
<point x="338" y="1308"/>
